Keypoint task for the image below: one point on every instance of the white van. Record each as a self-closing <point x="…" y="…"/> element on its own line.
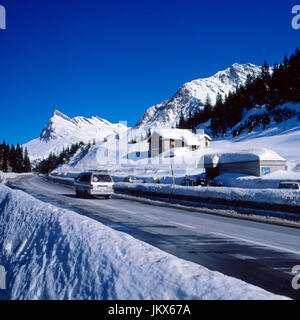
<point x="94" y="183"/>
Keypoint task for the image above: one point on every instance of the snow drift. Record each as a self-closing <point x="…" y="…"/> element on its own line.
<point x="52" y="253"/>
<point x="267" y="196"/>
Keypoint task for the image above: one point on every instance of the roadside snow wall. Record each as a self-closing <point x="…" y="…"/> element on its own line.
<point x="52" y="253"/>
<point x="261" y="199"/>
<point x="4" y="176"/>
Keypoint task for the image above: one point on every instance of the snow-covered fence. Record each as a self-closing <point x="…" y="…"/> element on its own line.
<point x="262" y="199"/>
<point x="62" y="180"/>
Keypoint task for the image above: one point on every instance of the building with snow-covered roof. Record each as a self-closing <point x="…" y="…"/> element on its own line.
<point x="255" y="162"/>
<point x="162" y="140"/>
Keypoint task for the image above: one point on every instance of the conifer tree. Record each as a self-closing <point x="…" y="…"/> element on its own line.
<point x="26" y="162"/>
<point x="182" y="123"/>
<point x="18" y="159"/>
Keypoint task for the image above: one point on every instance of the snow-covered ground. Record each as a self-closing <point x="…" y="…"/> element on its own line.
<point x="52" y="253"/>
<point x="4" y="176"/>
<point x="282" y="137"/>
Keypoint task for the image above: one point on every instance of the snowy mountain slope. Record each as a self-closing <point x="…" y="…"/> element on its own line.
<point x="53" y="253"/>
<point x="193" y="94"/>
<point x="282" y="118"/>
<point x="62" y="131"/>
<point x="283" y="137"/>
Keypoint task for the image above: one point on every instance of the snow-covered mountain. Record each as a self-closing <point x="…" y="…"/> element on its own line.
<point x="192" y="95"/>
<point x="62" y="131"/>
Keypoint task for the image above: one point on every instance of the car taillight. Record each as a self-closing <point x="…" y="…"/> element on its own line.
<point x="92" y="187"/>
<point x="113" y="187"/>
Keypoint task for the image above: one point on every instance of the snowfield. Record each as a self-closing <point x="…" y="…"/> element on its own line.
<point x="52" y="253"/>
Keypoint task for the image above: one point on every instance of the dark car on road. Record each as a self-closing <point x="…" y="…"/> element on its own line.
<point x="133" y="179"/>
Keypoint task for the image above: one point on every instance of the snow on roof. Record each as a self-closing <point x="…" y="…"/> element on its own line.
<point x="204" y="135"/>
<point x="243" y="156"/>
<point x="182" y="134"/>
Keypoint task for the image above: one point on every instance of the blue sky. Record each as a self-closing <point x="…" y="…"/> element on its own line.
<point x="116" y="58"/>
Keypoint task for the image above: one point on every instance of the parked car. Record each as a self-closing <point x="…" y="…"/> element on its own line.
<point x="187" y="181"/>
<point x="208" y="183"/>
<point x="289" y="185"/>
<point x="133" y="179"/>
<point x="202" y="182"/>
<point x="216" y="183"/>
<point x="94" y="183"/>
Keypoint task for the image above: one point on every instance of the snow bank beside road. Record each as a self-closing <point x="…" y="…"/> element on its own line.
<point x="4" y="176"/>
<point x="270" y="196"/>
<point x="268" y="202"/>
<point x="52" y="253"/>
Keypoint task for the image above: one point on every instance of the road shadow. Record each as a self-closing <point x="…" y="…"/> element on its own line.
<point x="73" y="196"/>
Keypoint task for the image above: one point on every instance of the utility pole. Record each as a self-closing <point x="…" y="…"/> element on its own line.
<point x="172" y="170"/>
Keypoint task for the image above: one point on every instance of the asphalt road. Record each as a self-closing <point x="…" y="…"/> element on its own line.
<point x="258" y="253"/>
